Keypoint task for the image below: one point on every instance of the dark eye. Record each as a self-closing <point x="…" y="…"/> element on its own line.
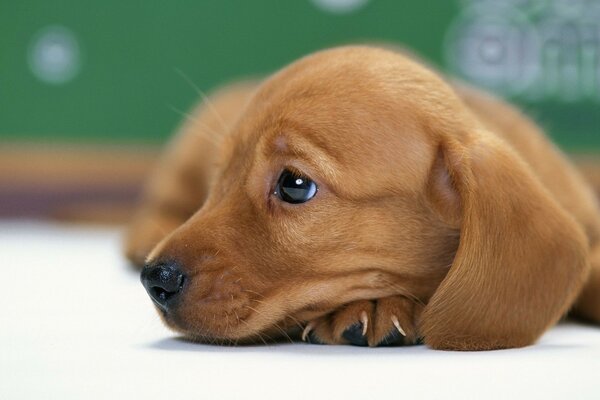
<point x="293" y="188"/>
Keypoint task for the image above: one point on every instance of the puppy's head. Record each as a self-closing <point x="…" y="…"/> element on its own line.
<point x="334" y="185"/>
<point x="318" y="199"/>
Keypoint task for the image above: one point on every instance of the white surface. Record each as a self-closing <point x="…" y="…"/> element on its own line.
<point x="76" y="323"/>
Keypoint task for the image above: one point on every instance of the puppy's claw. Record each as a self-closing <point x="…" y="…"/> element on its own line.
<point x="307" y="330"/>
<point x="365" y="322"/>
<point x="397" y="325"/>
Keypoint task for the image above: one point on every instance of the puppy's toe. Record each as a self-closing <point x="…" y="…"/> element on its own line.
<point x="393" y="338"/>
<point x="355" y="334"/>
<point x="352" y="324"/>
<point x="348" y="325"/>
<point x="395" y="322"/>
<point x="318" y="331"/>
<point x="310" y="334"/>
<point x="390" y="321"/>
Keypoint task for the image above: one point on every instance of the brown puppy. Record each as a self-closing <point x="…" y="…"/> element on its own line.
<point x="359" y="196"/>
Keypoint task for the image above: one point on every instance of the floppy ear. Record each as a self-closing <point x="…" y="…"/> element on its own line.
<point x="521" y="258"/>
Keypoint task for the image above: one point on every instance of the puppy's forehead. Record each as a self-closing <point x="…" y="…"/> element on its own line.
<point x="356" y="110"/>
<point x="353" y="72"/>
<point x="365" y="116"/>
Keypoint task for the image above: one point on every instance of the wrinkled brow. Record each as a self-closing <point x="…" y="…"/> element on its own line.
<point x="302" y="147"/>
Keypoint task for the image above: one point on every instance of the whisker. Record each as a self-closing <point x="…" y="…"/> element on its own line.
<point x="257" y="333"/>
<point x="262" y="339"/>
<point x="205" y="133"/>
<point x="238" y="320"/>
<point x="404" y="292"/>
<point x="205" y="98"/>
<point x="163" y="231"/>
<point x="253" y="292"/>
<point x="298" y="323"/>
<point x="277" y="326"/>
<point x="295" y="321"/>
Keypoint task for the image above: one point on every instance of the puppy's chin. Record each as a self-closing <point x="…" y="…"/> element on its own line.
<point x="288" y="330"/>
<point x="279" y="315"/>
<point x="233" y="334"/>
<point x="215" y="323"/>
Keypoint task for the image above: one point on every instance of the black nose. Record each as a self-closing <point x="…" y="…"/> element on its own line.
<point x="163" y="283"/>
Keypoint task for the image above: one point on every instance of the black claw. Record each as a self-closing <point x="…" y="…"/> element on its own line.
<point x="354" y="334"/>
<point x="313" y="339"/>
<point x="394" y="338"/>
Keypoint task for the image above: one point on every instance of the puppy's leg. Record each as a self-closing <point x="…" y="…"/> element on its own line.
<point x="389" y="321"/>
<point x="588" y="303"/>
<point x="179" y="184"/>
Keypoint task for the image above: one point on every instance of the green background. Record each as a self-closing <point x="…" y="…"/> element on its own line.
<point x="128" y="85"/>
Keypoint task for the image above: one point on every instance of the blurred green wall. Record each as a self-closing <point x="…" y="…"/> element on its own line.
<point x="116" y="71"/>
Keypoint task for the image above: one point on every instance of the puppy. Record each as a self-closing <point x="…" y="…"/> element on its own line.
<point x="356" y="197"/>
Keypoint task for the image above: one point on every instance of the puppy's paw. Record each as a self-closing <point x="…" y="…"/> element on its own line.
<point x="390" y="321"/>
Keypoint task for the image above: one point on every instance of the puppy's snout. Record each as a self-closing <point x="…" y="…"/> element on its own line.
<point x="164" y="283"/>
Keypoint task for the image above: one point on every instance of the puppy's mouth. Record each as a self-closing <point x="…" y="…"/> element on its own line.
<point x="276" y="314"/>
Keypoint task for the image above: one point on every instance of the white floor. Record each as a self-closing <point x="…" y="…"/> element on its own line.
<point x="76" y="324"/>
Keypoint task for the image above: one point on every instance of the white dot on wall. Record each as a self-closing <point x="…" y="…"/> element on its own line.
<point x="340" y="6"/>
<point x="492" y="50"/>
<point x="54" y="55"/>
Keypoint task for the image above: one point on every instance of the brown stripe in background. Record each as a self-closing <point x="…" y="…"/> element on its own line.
<point x="72" y="183"/>
<point x="87" y="184"/>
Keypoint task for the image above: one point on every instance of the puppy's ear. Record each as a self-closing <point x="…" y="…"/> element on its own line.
<point x="521" y="257"/>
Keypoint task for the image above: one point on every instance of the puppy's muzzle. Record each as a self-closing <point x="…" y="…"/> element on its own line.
<point x="164" y="283"/>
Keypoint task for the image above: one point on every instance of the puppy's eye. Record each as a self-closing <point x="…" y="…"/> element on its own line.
<point x="293" y="188"/>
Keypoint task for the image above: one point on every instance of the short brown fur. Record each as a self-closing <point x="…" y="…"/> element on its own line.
<point x="441" y="210"/>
